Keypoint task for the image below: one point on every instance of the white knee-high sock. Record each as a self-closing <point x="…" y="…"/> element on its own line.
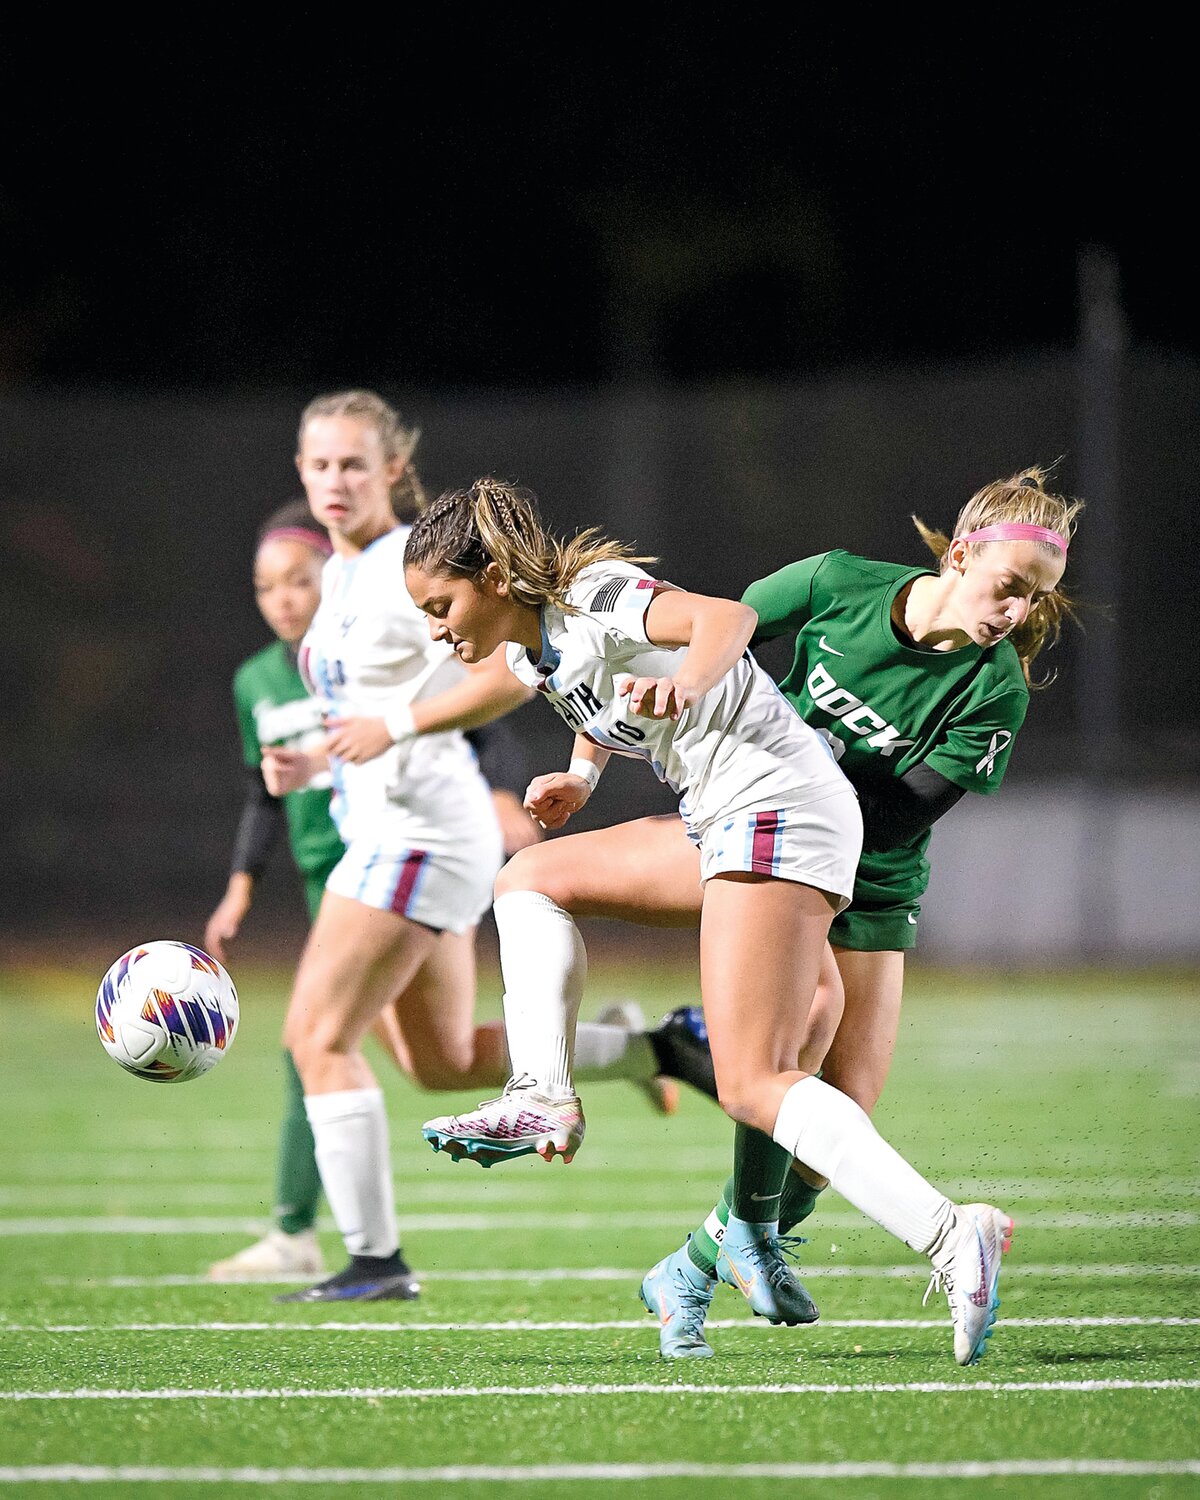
<point x="603" y="1051"/>
<point x="350" y="1130"/>
<point x="544" y="964"/>
<point x="825" y="1129"/>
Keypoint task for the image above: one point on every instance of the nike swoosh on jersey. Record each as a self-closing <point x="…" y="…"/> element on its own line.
<point x="833" y="651"/>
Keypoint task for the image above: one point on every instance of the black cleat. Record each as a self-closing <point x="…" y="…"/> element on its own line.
<point x="680" y="1042"/>
<point x="365" y="1279"/>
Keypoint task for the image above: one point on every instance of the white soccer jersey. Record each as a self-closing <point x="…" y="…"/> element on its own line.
<point x="742" y="746"/>
<point x="367" y="650"/>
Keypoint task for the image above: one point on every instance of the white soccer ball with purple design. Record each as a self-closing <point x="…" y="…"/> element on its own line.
<point x="167" y="1012"/>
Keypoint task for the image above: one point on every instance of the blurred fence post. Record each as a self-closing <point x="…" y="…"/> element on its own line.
<point x="1102" y="343"/>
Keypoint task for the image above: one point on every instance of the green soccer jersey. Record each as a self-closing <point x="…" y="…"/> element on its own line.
<point x="274" y="708"/>
<point x="885" y="704"/>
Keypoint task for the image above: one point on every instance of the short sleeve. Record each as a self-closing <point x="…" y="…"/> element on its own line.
<point x="975" y="752"/>
<point x="247" y="725"/>
<point x="783" y="600"/>
<point x="616" y="600"/>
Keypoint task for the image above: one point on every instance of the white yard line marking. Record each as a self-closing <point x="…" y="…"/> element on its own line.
<point x="526" y="1474"/>
<point x="523" y="1325"/>
<point x="565" y="1222"/>
<point x="634" y="1388"/>
<point x="614" y="1273"/>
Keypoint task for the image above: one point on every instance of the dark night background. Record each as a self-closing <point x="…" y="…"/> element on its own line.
<point x="532" y="201"/>
<point x="737" y="288"/>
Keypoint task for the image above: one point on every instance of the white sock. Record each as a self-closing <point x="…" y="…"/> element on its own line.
<point x="350" y="1129"/>
<point x="826" y="1130"/>
<point x="544" y="964"/>
<point x="603" y="1051"/>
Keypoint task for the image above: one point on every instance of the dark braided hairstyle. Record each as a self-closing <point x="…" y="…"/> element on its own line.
<point x="497" y="522"/>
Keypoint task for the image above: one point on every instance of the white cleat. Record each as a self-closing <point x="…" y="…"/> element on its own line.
<point x="275" y="1255"/>
<point x="662" y="1092"/>
<point x="521" y="1122"/>
<point x="967" y="1269"/>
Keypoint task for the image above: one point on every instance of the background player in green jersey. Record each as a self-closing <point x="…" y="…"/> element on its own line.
<point x="920" y="681"/>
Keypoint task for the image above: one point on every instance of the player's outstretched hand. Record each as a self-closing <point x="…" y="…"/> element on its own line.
<point x="551" y="799"/>
<point x="287" y="770"/>
<point x="226" y="922"/>
<point x="357" y="739"/>
<point x="656" y="697"/>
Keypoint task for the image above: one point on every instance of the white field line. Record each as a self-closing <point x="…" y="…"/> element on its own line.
<point x="565" y="1222"/>
<point x="524" y="1325"/>
<point x="634" y="1388"/>
<point x="102" y="1173"/>
<point x="1025" y="1468"/>
<point x="614" y="1273"/>
<point x="247" y="1196"/>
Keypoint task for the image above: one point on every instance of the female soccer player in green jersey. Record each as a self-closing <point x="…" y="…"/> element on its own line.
<point x="920" y="681"/>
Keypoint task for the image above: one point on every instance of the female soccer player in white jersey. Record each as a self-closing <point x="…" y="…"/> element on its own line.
<point x="638" y="667"/>
<point x="921" y="681"/>
<point x="396" y="924"/>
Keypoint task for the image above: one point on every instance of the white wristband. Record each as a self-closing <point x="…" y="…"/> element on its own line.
<point x="399" y="723"/>
<point x="588" y="770"/>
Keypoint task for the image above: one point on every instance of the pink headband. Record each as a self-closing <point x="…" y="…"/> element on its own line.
<point x="314" y="539"/>
<point x="1016" y="531"/>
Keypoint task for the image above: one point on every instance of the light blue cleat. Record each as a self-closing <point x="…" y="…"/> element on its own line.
<point x="751" y="1258"/>
<point x="677" y="1293"/>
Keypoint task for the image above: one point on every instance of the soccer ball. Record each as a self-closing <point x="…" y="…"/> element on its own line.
<point x="166" y="1012"/>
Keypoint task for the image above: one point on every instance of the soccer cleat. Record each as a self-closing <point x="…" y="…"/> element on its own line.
<point x="680" y="1042"/>
<point x="967" y="1268"/>
<point x="275" y="1256"/>
<point x="520" y="1122"/>
<point x="751" y="1258"/>
<point x="677" y="1293"/>
<point x="387" y="1280"/>
<point x="662" y="1092"/>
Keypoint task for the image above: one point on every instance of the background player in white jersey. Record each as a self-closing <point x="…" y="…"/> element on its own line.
<point x="422" y="842"/>
<point x="640" y="667"/>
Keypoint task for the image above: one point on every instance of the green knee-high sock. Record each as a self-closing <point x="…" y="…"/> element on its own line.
<point x="797" y="1202"/>
<point x="760" y="1168"/>
<point x="297" y="1180"/>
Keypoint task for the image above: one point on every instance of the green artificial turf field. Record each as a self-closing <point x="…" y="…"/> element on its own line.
<point x="528" y="1366"/>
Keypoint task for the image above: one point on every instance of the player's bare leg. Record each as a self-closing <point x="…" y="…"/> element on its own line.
<point x="647" y="871"/>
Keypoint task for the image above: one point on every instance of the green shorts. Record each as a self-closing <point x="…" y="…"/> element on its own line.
<point x="873" y="928"/>
<point x="314" y="887"/>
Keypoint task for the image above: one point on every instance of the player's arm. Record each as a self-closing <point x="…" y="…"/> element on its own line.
<point x="715" y="633"/>
<point x="257" y="830"/>
<point x="783" y="600"/>
<point x="895" y="814"/>
<point x="553" y="798"/>
<point x="487" y="691"/>
<point x="505" y="765"/>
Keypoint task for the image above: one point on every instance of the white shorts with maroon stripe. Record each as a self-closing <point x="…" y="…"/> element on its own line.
<point x="816" y="844"/>
<point x="448" y="888"/>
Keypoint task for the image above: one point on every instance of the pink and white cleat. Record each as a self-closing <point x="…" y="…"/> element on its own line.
<point x="520" y="1122"/>
<point x="966" y="1266"/>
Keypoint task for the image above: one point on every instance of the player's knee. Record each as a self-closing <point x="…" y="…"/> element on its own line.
<point x="313" y="1038"/>
<point x="533" y="869"/>
<point x="743" y="1103"/>
<point x="442" y="1074"/>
